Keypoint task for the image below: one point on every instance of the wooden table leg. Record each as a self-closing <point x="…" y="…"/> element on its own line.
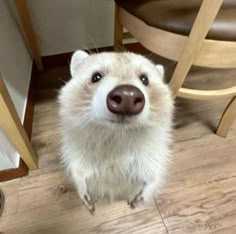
<point x="118" y="32"/>
<point x="23" y="11"/>
<point x="11" y="125"/>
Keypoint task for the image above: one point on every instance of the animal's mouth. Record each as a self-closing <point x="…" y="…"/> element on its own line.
<point x="120" y="120"/>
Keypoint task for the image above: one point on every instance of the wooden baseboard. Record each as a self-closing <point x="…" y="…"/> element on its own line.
<point x="64" y="59"/>
<point x="22" y="170"/>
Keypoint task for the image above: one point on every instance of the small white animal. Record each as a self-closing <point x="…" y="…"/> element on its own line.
<point x="115" y="116"/>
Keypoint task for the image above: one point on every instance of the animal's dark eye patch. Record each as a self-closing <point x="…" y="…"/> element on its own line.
<point x="144" y="79"/>
<point x="97" y="76"/>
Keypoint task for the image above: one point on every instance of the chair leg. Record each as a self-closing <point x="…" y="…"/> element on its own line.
<point x="197" y="35"/>
<point x="118" y="31"/>
<point x="13" y="129"/>
<point x="30" y="36"/>
<point x="227" y="118"/>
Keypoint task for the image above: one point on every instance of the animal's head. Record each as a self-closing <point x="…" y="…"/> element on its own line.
<point x="116" y="91"/>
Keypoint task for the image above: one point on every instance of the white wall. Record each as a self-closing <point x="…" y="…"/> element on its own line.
<point x="15" y="66"/>
<point x="64" y="26"/>
<point x="61" y="26"/>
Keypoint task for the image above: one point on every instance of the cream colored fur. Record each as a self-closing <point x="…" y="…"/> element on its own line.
<point x="106" y="158"/>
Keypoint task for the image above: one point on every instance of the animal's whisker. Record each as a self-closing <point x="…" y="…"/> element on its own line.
<point x="64" y="81"/>
<point x="93" y="42"/>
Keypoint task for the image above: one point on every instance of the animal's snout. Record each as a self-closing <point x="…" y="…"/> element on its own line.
<point x="125" y="100"/>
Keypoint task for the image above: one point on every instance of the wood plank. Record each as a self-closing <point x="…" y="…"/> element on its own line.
<point x="141" y="222"/>
<point x="66" y="216"/>
<point x="53" y="187"/>
<point x="200" y="195"/>
<point x="11" y="192"/>
<point x="47" y="202"/>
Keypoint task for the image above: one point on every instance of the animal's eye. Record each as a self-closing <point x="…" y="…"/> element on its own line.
<point x="144" y="79"/>
<point x="96" y="77"/>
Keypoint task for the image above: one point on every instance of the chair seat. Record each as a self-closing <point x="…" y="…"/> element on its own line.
<point x="177" y="16"/>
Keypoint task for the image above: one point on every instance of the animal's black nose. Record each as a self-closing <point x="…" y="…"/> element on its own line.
<point x="125" y="100"/>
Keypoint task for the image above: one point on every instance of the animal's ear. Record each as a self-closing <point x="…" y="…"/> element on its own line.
<point x="76" y="60"/>
<point x="160" y="69"/>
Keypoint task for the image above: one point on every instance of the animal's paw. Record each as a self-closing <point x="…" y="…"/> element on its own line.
<point x="89" y="202"/>
<point x="137" y="200"/>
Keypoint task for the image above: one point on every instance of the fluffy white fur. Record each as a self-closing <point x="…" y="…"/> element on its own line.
<point x="107" y="158"/>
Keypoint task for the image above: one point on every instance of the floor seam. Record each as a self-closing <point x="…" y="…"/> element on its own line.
<point x="163" y="221"/>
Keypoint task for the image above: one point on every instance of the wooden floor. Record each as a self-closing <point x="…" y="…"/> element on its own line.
<point x="199" y="195"/>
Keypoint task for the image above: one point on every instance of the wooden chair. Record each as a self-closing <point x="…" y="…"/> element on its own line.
<point x="13" y="129"/>
<point x="194" y="32"/>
